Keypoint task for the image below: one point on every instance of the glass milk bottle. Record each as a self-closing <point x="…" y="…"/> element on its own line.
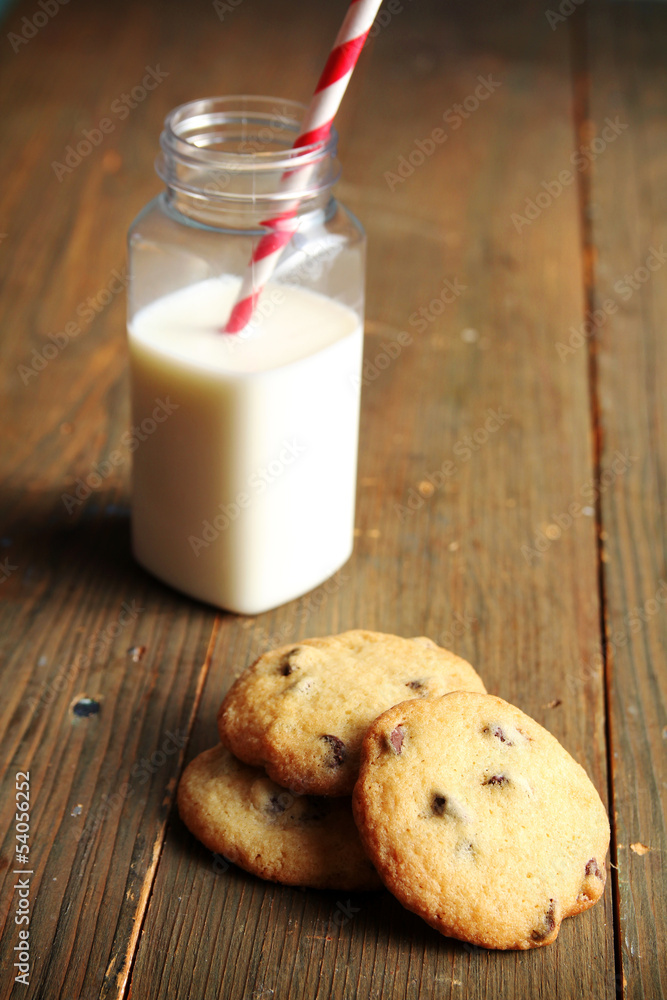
<point x="245" y="471"/>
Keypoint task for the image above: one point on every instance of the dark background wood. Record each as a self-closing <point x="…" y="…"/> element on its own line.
<point x="125" y="903"/>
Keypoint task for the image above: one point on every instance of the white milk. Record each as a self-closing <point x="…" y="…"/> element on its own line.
<point x="244" y="484"/>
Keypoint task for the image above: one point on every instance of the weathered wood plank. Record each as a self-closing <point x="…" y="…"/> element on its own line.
<point x="99" y="814"/>
<point x="458" y="567"/>
<point x="74" y="602"/>
<point x="629" y="227"/>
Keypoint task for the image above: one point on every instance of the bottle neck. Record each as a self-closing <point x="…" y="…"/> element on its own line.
<point x="230" y="163"/>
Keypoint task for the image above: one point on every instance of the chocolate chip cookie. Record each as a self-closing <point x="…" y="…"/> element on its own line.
<point x="479" y="820"/>
<point x="236" y="811"/>
<point x="301" y="711"/>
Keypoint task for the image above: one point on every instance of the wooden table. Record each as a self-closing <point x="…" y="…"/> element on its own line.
<point x="524" y="254"/>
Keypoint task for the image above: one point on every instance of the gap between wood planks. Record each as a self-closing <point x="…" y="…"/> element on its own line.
<point x="124" y="976"/>
<point x="580" y="72"/>
<point x="581" y="85"/>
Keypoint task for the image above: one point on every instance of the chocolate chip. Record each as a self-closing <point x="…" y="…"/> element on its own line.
<point x="439" y="805"/>
<point x="337" y="752"/>
<point x="592" y="869"/>
<point x="549" y="916"/>
<point x="278" y="803"/>
<point x="549" y="923"/>
<point x="415" y="685"/>
<point x="396" y="737"/>
<point x="445" y="805"/>
<point x="497" y="779"/>
<point x="498" y="733"/>
<point x="286" y="667"/>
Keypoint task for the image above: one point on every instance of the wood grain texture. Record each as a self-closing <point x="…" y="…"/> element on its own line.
<point x="464" y="530"/>
<point x="102" y="786"/>
<point x="629" y="85"/>
<point x="99" y="813"/>
<point x="453" y="568"/>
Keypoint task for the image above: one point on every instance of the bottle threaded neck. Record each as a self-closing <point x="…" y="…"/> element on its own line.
<point x="232" y="154"/>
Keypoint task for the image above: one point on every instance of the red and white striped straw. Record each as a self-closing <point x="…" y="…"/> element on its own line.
<point x="314" y="128"/>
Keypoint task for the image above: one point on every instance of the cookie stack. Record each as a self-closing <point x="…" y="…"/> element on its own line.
<point x="460" y="805"/>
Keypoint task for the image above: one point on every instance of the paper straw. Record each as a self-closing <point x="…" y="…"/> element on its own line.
<point x="315" y="127"/>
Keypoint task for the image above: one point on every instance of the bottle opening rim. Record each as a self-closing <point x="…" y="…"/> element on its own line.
<point x="243" y="133"/>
